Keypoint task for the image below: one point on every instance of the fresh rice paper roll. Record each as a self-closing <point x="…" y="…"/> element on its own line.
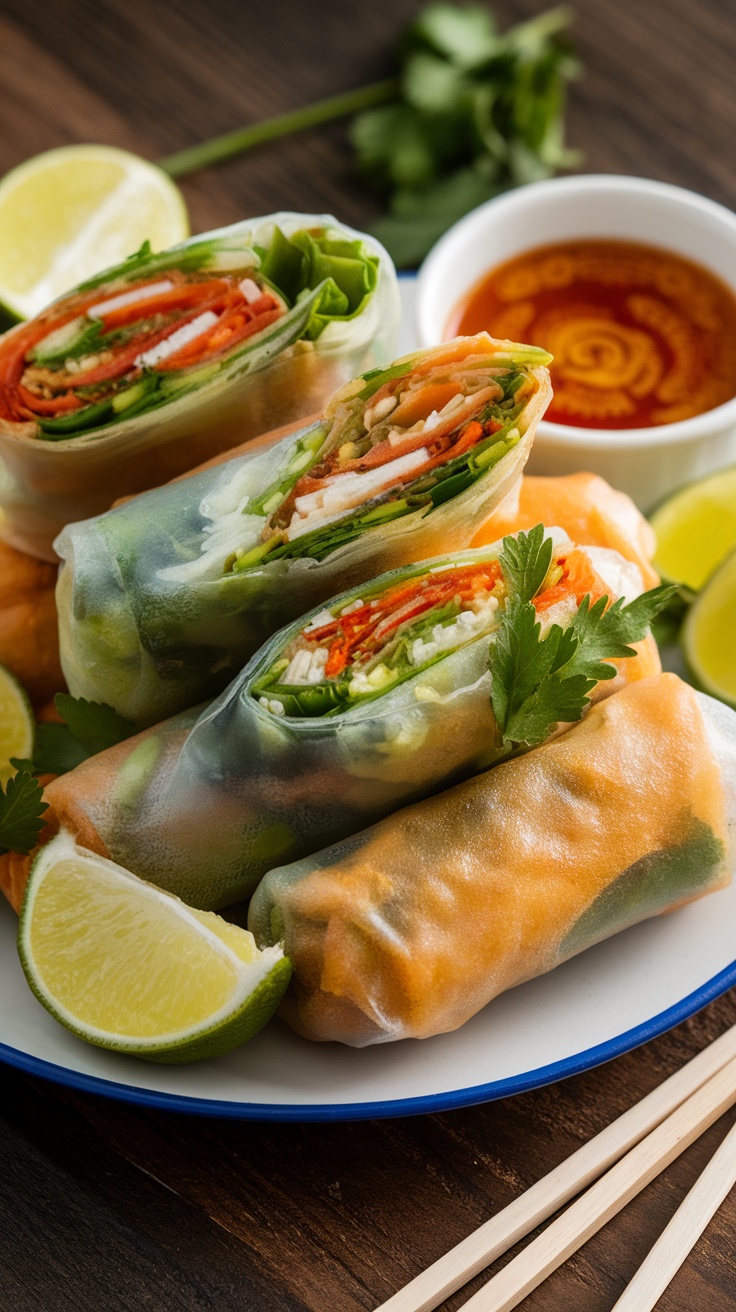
<point x="591" y="511"/>
<point x="167" y="359"/>
<point x="369" y="703"/>
<point x="411" y="927"/>
<point x="163" y="599"/>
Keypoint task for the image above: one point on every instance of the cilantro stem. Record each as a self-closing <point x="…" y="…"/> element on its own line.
<point x="225" y="147"/>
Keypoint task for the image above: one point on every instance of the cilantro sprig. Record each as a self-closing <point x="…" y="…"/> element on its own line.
<point x="88" y="728"/>
<point x="540" y="682"/>
<point x="468" y="112"/>
<point x="21" y="809"/>
<point x="480" y="111"/>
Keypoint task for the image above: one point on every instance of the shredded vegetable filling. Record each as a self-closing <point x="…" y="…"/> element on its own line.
<point x="421" y="438"/>
<point x="89" y="360"/>
<point x="372" y="643"/>
<point x="143" y="334"/>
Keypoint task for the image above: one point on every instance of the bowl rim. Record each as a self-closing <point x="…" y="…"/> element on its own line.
<point x="710" y="422"/>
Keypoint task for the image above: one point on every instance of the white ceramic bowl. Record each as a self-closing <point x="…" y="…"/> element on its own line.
<point x="645" y="462"/>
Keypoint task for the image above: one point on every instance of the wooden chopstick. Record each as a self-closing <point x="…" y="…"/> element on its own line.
<point x="683" y="1231"/>
<point x="495" y="1236"/>
<point x="608" y="1195"/>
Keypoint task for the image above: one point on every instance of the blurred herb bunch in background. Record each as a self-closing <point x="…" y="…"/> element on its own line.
<point x="478" y="111"/>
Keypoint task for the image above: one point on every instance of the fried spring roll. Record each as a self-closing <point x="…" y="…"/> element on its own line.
<point x="162" y="600"/>
<point x="411" y="927"/>
<point x="157" y="364"/>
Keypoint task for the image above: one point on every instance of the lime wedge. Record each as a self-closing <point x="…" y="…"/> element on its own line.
<point x="709" y="634"/>
<point x="17" y="725"/>
<point x="696" y="529"/>
<point x="126" y="966"/>
<point x="71" y="212"/>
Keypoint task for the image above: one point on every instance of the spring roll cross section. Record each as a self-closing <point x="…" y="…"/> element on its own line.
<point x="162" y="600"/>
<point x="409" y="928"/>
<point x="151" y="367"/>
<point x="377" y="699"/>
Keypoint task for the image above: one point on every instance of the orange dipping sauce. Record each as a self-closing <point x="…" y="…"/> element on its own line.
<point x="639" y="336"/>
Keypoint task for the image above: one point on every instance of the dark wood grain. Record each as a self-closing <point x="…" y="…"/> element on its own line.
<point x="106" y="1206"/>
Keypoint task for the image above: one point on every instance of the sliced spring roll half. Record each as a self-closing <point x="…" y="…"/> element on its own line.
<point x="371" y="702"/>
<point x="162" y="600"/>
<point x="411" y="927"/>
<point x="167" y="359"/>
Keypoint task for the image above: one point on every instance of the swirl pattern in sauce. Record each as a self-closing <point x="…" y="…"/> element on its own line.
<point x="640" y="336"/>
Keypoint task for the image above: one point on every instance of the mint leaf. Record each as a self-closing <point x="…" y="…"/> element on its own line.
<point x="21" y="808"/>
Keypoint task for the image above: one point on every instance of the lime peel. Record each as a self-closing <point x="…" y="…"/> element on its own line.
<point x="709" y="634"/>
<point x="695" y="529"/>
<point x="129" y="967"/>
<point x="70" y="212"/>
<point x="17" y="724"/>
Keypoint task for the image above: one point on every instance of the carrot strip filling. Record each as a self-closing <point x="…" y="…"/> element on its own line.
<point x="362" y="631"/>
<point x="34" y="385"/>
<point x="578" y="579"/>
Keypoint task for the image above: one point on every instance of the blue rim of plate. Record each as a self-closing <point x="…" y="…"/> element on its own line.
<point x="361" y="1111"/>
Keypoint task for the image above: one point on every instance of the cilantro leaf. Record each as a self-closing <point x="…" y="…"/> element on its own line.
<point x="477" y="111"/>
<point x="56" y="749"/>
<point x="525" y="561"/>
<point x="557" y="700"/>
<point x="519" y="661"/>
<point x="540" y="682"/>
<point x="89" y="728"/>
<point x="606" y="633"/>
<point x="94" y="724"/>
<point x="21" y="808"/>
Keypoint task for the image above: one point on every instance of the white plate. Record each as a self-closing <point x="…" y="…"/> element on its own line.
<point x="604" y="1002"/>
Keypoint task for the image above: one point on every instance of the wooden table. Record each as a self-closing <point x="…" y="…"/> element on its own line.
<point x="105" y="1206"/>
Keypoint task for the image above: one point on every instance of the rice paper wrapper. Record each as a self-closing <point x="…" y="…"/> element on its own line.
<point x="150" y="624"/>
<point x="411" y="927"/>
<point x="591" y="511"/>
<point x="281" y="377"/>
<point x="206" y="803"/>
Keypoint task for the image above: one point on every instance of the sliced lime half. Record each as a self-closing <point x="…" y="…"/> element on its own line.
<point x="709" y="634"/>
<point x="127" y="966"/>
<point x="69" y="213"/>
<point x="17" y="725"/>
<point x="696" y="529"/>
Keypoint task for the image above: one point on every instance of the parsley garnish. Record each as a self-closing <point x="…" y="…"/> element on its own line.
<point x="21" y="808"/>
<point x="539" y="682"/>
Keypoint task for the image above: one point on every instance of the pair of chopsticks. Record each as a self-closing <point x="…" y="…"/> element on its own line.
<point x="622" y="1160"/>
